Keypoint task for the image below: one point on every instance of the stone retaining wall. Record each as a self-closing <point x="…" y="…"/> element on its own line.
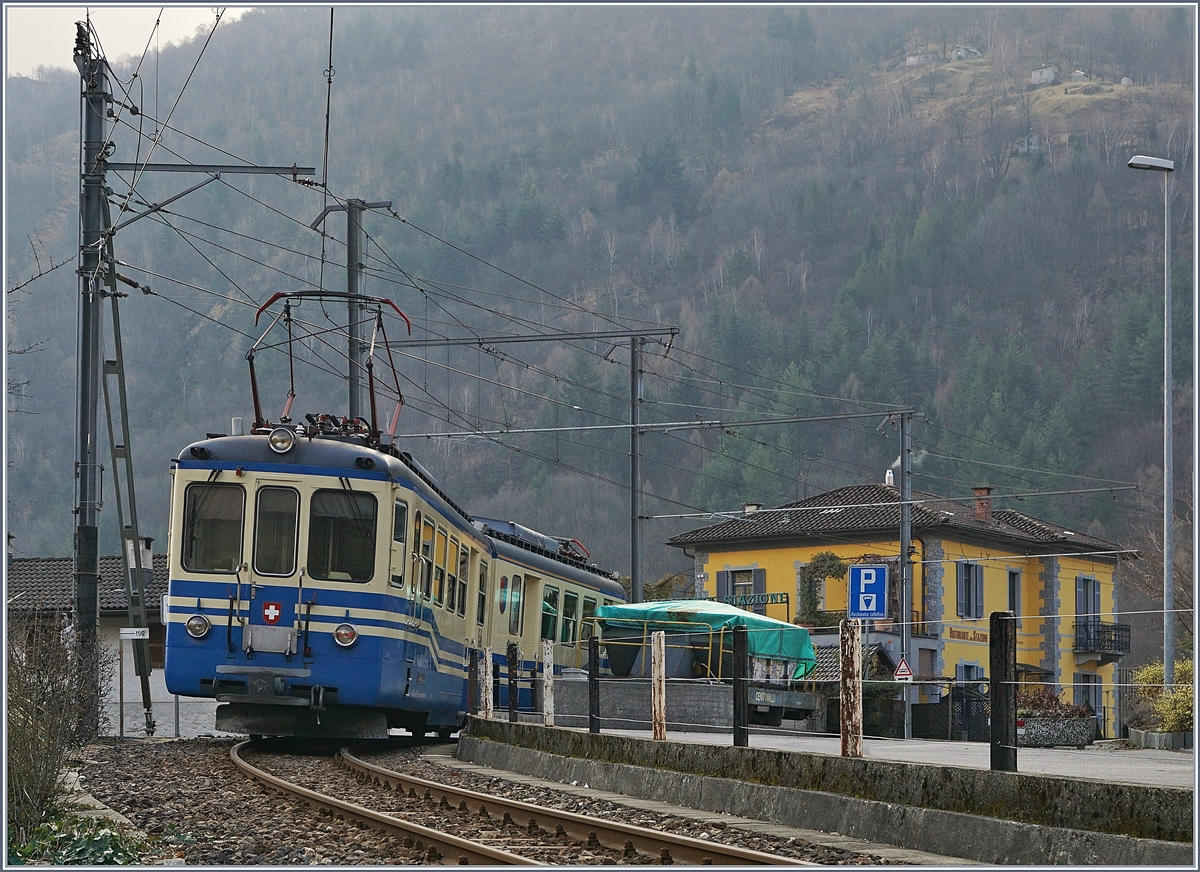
<point x="904" y="789"/>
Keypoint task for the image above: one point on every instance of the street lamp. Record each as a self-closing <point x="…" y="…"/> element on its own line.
<point x="1162" y="165"/>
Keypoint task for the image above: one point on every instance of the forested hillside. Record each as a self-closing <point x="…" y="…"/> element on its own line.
<point x="832" y="230"/>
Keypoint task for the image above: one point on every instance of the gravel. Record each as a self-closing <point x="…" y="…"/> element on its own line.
<point x="197" y="808"/>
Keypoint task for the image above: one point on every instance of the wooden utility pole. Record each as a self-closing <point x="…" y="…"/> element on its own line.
<point x="851" y="712"/>
<point x="741" y="673"/>
<point x="658" y="685"/>
<point x="1003" y="690"/>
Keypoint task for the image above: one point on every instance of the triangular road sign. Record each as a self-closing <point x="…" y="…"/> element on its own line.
<point x="903" y="673"/>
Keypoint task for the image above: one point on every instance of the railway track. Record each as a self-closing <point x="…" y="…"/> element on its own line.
<point x="439" y="823"/>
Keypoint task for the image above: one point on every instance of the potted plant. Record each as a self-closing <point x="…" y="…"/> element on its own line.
<point x="1044" y="720"/>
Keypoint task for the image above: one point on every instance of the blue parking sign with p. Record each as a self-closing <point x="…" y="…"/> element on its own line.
<point x="868" y="591"/>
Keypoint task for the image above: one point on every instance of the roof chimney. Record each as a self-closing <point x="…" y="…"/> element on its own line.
<point x="888" y="478"/>
<point x="751" y="508"/>
<point x="983" y="504"/>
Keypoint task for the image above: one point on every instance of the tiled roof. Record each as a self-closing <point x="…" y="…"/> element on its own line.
<point x="46" y="583"/>
<point x="829" y="661"/>
<point x="868" y="510"/>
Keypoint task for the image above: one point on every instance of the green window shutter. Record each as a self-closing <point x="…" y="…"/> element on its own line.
<point x="724" y="585"/>
<point x="760" y="586"/>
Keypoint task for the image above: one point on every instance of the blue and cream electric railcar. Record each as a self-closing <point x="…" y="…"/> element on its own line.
<point x="320" y="586"/>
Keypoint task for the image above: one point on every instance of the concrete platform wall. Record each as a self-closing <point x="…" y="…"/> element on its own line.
<point x="994" y="817"/>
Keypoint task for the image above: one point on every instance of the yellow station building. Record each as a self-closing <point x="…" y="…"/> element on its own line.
<point x="967" y="562"/>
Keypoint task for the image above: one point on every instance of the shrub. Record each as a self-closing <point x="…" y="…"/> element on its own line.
<point x="1172" y="711"/>
<point x="52" y="710"/>
<point x="1043" y="702"/>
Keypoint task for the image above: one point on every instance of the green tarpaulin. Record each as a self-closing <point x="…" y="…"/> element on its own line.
<point x="766" y="638"/>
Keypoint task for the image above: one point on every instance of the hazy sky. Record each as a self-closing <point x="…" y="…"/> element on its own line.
<point x="45" y="35"/>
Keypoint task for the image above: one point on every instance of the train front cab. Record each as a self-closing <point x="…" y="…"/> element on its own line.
<point x="286" y="604"/>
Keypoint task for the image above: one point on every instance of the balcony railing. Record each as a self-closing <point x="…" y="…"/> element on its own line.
<point x="1101" y="638"/>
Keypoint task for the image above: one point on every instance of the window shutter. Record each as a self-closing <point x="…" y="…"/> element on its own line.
<point x="760" y="587"/>
<point x="1096" y="599"/>
<point x="1081" y="604"/>
<point x="961" y="599"/>
<point x="978" y="573"/>
<point x="723" y="585"/>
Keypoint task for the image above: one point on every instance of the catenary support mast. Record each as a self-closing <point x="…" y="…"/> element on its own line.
<point x="96" y="99"/>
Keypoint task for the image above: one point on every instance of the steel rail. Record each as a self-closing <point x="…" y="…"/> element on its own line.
<point x="446" y="845"/>
<point x="610" y="834"/>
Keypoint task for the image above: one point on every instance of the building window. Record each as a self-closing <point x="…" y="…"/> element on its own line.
<point x="968" y="672"/>
<point x="1089" y="691"/>
<point x="732" y="584"/>
<point x="1014" y="592"/>
<point x="970" y="590"/>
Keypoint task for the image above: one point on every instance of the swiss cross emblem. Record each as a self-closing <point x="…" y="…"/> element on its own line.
<point x="272" y="612"/>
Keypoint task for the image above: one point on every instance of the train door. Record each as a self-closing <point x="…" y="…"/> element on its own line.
<point x="399" y="555"/>
<point x="551" y="602"/>
<point x="483" y="627"/>
<point x="272" y="601"/>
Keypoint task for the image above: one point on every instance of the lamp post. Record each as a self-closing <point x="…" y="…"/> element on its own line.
<point x="1162" y="165"/>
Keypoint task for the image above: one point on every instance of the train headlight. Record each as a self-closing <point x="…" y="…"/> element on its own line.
<point x="197" y="626"/>
<point x="345" y="635"/>
<point x="282" y="440"/>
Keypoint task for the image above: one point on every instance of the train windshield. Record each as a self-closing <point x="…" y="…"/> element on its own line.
<point x="212" y="527"/>
<point x="275" y="531"/>
<point x="341" y="536"/>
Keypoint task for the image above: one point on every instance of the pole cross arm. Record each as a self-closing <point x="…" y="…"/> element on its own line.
<point x="338" y="207"/>
<point x="293" y="170"/>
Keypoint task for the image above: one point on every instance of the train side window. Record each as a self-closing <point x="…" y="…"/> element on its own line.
<point x="549" y="612"/>
<point x="464" y="573"/>
<point x="439" y="570"/>
<point x="452" y="577"/>
<point x="427" y="559"/>
<point x="341" y="535"/>
<point x="514" y="606"/>
<point x="400" y="523"/>
<point x="569" y="615"/>
<point x="276" y="521"/>
<point x="213" y="516"/>
<point x="589" y="610"/>
<point x="481" y="610"/>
